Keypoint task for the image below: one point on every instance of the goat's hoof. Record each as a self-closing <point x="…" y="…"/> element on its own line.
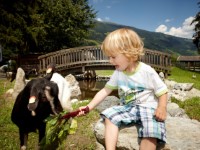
<point x="23" y="147"/>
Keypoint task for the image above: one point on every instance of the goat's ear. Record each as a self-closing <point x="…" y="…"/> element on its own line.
<point x="48" y="94"/>
<point x="49" y="70"/>
<point x="50" y="98"/>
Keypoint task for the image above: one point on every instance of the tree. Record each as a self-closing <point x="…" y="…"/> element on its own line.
<point x="20" y="25"/>
<point x="196" y="36"/>
<point x="43" y="25"/>
<point x="67" y="23"/>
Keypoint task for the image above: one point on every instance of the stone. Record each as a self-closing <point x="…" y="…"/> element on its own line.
<point x="74" y="86"/>
<point x="182" y="134"/>
<point x="162" y="76"/>
<point x="19" y="83"/>
<point x="181" y="91"/>
<point x="183" y="86"/>
<point x="108" y="102"/>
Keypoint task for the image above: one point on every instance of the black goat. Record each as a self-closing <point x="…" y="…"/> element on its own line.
<point x="29" y="114"/>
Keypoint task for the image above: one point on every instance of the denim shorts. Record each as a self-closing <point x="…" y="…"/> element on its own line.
<point x="135" y="114"/>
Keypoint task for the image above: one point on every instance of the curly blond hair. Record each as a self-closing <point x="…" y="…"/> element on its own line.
<point x="124" y="41"/>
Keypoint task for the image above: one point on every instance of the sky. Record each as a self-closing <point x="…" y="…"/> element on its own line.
<point x="171" y="17"/>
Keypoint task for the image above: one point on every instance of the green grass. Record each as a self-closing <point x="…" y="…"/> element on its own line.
<point x="9" y="139"/>
<point x="191" y="107"/>
<point x="104" y="72"/>
<point x="84" y="137"/>
<point x="184" y="76"/>
<point x="8" y="131"/>
<point x="5" y="85"/>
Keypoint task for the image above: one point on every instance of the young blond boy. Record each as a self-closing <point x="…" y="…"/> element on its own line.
<point x="142" y="93"/>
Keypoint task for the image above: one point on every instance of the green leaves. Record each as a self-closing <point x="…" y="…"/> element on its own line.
<point x="196" y="36"/>
<point x="73" y="127"/>
<point x="58" y="129"/>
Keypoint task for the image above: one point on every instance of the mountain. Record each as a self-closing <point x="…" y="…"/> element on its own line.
<point x="152" y="40"/>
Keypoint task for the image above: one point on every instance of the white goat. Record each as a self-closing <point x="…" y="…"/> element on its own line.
<point x="64" y="93"/>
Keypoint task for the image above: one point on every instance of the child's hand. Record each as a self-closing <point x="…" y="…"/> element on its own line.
<point x="83" y="110"/>
<point x="160" y="113"/>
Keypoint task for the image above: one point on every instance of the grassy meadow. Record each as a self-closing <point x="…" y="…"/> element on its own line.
<point x="191" y="106"/>
<point x="83" y="138"/>
<point x="183" y="76"/>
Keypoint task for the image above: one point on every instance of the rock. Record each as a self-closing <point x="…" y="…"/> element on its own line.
<point x="171" y="106"/>
<point x="108" y="102"/>
<point x="74" y="86"/>
<point x="170" y="84"/>
<point x="19" y="83"/>
<point x="183" y="86"/>
<point x="181" y="91"/>
<point x="162" y="76"/>
<point x="175" y="111"/>
<point x="182" y="133"/>
<point x="127" y="140"/>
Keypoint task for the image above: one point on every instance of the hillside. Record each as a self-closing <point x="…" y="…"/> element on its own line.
<point x="152" y="40"/>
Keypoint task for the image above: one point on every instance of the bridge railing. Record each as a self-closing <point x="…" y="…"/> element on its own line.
<point x="93" y="56"/>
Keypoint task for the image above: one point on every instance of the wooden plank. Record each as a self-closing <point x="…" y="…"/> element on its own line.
<point x="89" y="56"/>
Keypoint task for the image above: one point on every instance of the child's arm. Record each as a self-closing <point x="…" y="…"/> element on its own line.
<point x="161" y="111"/>
<point x="98" y="98"/>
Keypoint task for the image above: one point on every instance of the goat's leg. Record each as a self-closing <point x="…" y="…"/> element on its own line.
<point x="42" y="130"/>
<point x="23" y="139"/>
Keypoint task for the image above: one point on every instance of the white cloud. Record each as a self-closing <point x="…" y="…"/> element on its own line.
<point x="168" y="20"/>
<point x="185" y="31"/>
<point x="99" y="19"/>
<point x="161" y="28"/>
<point x="102" y="20"/>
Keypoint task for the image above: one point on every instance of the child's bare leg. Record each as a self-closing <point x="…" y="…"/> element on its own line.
<point x="111" y="135"/>
<point x="148" y="144"/>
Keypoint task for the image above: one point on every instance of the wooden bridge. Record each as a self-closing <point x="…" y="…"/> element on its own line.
<point x="90" y="58"/>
